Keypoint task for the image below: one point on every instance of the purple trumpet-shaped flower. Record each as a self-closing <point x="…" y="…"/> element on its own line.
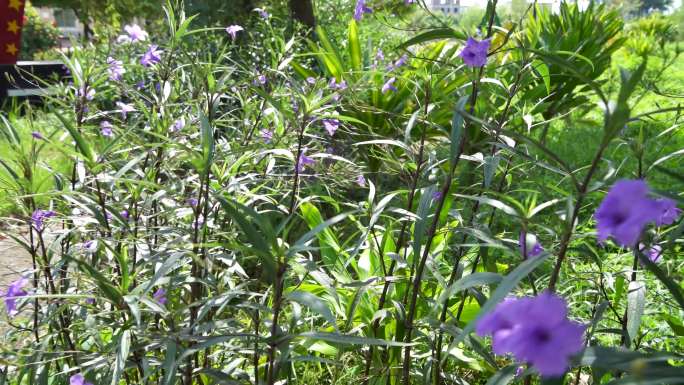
<point x="125" y="214"/>
<point x="654" y="253"/>
<point x="474" y="54"/>
<point x="529" y="246"/>
<point x="192" y="202"/>
<point x="151" y="57"/>
<point x="160" y="296"/>
<point x="115" y="69"/>
<point x="14" y="291"/>
<point x="303" y="161"/>
<point x="178" y="125"/>
<point x="311" y="80"/>
<point x="625" y="211"/>
<point x="37" y="135"/>
<point x="125" y="108"/>
<point x="39" y="216"/>
<point x="88" y="93"/>
<point x="266" y="135"/>
<point x="398" y="63"/>
<point x="135" y="33"/>
<point x="361" y="180"/>
<point x="389" y="86"/>
<point x="534" y="330"/>
<point x="261" y="80"/>
<point x="334" y="85"/>
<point x="669" y="212"/>
<point x="107" y="129"/>
<point x="90" y="247"/>
<point x="262" y="12"/>
<point x="233" y="31"/>
<point x="331" y="125"/>
<point x="360" y="9"/>
<point x="78" y="379"/>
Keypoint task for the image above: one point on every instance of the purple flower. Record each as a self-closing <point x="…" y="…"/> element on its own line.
<point x="39" y="216"/>
<point x="379" y="55"/>
<point x="160" y="296"/>
<point x="266" y="135"/>
<point x="361" y="180"/>
<point x="360" y="9"/>
<point x="331" y="125"/>
<point x="88" y="93"/>
<point x="135" y="33"/>
<point x="311" y="80"/>
<point x="262" y="13"/>
<point x="115" y="69"/>
<point x="337" y="86"/>
<point x="14" y="291"/>
<point x="90" y="247"/>
<point x="233" y="30"/>
<point x="625" y="211"/>
<point x="178" y="125"/>
<point x="389" y="86"/>
<point x="669" y="212"/>
<point x="407" y="2"/>
<point x="90" y="301"/>
<point x="125" y="214"/>
<point x="534" y="330"/>
<point x="140" y="85"/>
<point x="193" y="202"/>
<point x="474" y="54"/>
<point x="654" y="253"/>
<point x="125" y="108"/>
<point x="303" y="161"/>
<point x="37" y="135"/>
<point x="107" y="129"/>
<point x="151" y="57"/>
<point x="437" y="195"/>
<point x="78" y="379"/>
<point x="261" y="79"/>
<point x="398" y="63"/>
<point x="529" y="246"/>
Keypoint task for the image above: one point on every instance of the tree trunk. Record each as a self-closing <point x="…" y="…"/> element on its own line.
<point x="303" y="11"/>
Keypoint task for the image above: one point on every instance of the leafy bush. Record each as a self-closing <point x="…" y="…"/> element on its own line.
<point x="245" y="206"/>
<point x="38" y="36"/>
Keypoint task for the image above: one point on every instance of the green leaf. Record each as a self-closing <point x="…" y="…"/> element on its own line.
<point x="355" y="47"/>
<point x="121" y="356"/>
<point x="244" y="217"/>
<point x="314" y="303"/>
<point x="543" y="70"/>
<point x="169" y="364"/>
<point x="472" y="280"/>
<point x="82" y="145"/>
<point x="434" y="34"/>
<point x="636" y="297"/>
<point x="208" y="148"/>
<point x="456" y="137"/>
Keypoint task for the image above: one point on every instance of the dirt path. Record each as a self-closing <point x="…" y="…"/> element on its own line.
<point x="14" y="260"/>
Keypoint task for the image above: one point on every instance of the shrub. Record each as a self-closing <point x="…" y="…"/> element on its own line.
<point x="38" y="36"/>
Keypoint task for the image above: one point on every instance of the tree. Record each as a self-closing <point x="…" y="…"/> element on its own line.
<point x="303" y="11"/>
